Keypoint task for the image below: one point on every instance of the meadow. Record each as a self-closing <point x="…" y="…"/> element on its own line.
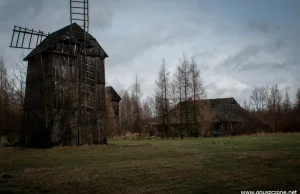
<point x="203" y="165"/>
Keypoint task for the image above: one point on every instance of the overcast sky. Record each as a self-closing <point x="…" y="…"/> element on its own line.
<point x="237" y="43"/>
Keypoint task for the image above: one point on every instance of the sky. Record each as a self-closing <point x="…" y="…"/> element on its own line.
<point x="238" y="44"/>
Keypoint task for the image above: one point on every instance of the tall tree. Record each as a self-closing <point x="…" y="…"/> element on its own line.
<point x="126" y="116"/>
<point x="3" y="95"/>
<point x="297" y="104"/>
<point x="286" y="102"/>
<point x="178" y="84"/>
<point x="173" y="93"/>
<point x="161" y="95"/>
<point x="296" y="112"/>
<point x="136" y="96"/>
<point x="186" y="91"/>
<point x="147" y="114"/>
<point x="10" y="109"/>
<point x="19" y="79"/>
<point x="274" y="104"/>
<point x="259" y="98"/>
<point x="197" y="88"/>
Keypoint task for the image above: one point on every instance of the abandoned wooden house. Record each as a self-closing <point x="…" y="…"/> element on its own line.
<point x="56" y="94"/>
<point x="222" y="116"/>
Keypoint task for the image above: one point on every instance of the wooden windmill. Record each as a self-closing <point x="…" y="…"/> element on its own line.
<point x="73" y="111"/>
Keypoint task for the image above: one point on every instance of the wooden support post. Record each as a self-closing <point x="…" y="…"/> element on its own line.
<point x="12" y="38"/>
<point x="30" y="38"/>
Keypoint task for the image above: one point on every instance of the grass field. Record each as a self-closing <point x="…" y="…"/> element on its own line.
<point x="204" y="165"/>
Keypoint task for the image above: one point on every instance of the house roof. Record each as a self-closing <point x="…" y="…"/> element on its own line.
<point x="222" y="109"/>
<point x="64" y="33"/>
<point x="227" y="109"/>
<point x="113" y="94"/>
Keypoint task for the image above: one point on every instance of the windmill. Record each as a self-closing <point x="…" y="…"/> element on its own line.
<point x="71" y="56"/>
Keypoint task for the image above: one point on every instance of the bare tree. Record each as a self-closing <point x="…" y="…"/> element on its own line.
<point x="147" y="114"/>
<point x="126" y="110"/>
<point x="197" y="89"/>
<point x="161" y="95"/>
<point x="19" y="78"/>
<point x="136" y="96"/>
<point x="151" y="101"/>
<point x="297" y="104"/>
<point x="274" y="104"/>
<point x="10" y="109"/>
<point x="259" y="98"/>
<point x="246" y="105"/>
<point x="296" y="112"/>
<point x="178" y="84"/>
<point x="173" y="93"/>
<point x="287" y="103"/>
<point x="122" y="115"/>
<point x="3" y="98"/>
<point x="186" y="91"/>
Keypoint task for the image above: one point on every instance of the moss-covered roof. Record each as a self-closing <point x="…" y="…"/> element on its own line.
<point x="222" y="109"/>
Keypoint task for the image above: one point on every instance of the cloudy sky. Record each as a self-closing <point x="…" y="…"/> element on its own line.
<point x="237" y="43"/>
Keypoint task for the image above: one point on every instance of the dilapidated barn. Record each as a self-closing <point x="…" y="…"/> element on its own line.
<point x="220" y="116"/>
<point x="62" y="83"/>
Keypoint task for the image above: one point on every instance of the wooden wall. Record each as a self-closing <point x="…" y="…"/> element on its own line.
<point x="57" y="87"/>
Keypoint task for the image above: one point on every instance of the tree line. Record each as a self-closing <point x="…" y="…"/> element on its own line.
<point x="270" y="110"/>
<point x="275" y="108"/>
<point x="12" y="93"/>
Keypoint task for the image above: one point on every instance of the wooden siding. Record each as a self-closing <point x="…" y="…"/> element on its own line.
<point x="59" y="89"/>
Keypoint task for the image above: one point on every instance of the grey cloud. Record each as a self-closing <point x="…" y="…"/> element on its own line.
<point x="222" y="28"/>
<point x="248" y="66"/>
<point x="225" y="92"/>
<point x="211" y="86"/>
<point x="258" y="26"/>
<point x="282" y="66"/>
<point x="234" y="61"/>
<point x="16" y="10"/>
<point x="125" y="50"/>
<point x="267" y="66"/>
<point x="50" y="16"/>
<point x="250" y="56"/>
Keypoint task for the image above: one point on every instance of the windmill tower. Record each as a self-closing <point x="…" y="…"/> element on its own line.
<point x="65" y="84"/>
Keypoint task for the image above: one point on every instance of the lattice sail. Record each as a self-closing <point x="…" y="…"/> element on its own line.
<point x="27" y="38"/>
<point x="79" y="13"/>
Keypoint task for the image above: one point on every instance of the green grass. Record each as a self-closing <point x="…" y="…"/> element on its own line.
<point x="204" y="165"/>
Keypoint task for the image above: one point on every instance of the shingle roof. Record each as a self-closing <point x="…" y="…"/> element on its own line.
<point x="63" y="33"/>
<point x="113" y="94"/>
<point x="223" y="109"/>
<point x="227" y="109"/>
